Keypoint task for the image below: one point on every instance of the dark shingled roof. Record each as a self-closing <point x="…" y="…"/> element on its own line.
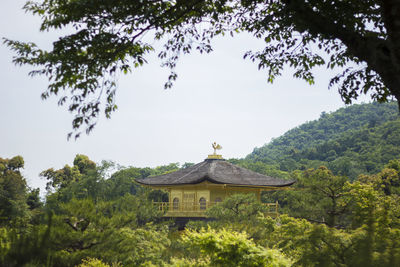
<point x="215" y="171"/>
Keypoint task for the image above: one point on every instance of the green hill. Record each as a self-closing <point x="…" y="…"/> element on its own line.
<point x="350" y="141"/>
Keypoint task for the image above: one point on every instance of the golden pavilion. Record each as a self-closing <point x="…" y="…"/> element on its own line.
<point x="196" y="188"/>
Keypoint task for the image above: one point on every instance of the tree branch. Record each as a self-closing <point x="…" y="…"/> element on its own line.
<point x="378" y="53"/>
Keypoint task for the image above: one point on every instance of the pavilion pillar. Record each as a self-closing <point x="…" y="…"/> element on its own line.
<point x="169" y="199"/>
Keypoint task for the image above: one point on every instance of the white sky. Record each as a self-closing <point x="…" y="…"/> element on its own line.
<point x="217" y="97"/>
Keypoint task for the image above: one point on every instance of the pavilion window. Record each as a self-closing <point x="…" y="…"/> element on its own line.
<point x="175" y="204"/>
<point x="203" y="203"/>
<point x="218" y="199"/>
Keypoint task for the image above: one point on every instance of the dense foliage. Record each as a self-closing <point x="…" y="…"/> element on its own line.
<point x="359" y="37"/>
<point x="18" y="203"/>
<point x="88" y="220"/>
<point x="97" y="215"/>
<point x="350" y="141"/>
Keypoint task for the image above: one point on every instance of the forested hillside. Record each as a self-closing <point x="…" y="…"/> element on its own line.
<point x="350" y="141"/>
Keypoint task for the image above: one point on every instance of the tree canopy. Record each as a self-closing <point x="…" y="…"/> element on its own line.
<point x="13" y="191"/>
<point x="362" y="38"/>
<point x="90" y="218"/>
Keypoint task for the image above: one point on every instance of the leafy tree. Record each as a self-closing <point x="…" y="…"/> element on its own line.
<point x="84" y="164"/>
<point x="91" y="217"/>
<point x="347" y="31"/>
<point x="35" y="206"/>
<point x="159" y="170"/>
<point x="61" y="178"/>
<point x="372" y="242"/>
<point x="136" y="247"/>
<point x="387" y="180"/>
<point x="26" y="247"/>
<point x="237" y="208"/>
<point x="329" y="189"/>
<point x="318" y="196"/>
<point x="13" y="193"/>
<point x="80" y="180"/>
<point x="33" y="199"/>
<point x="113" y="231"/>
<point x="87" y="226"/>
<point x="361" y="37"/>
<point x="123" y="182"/>
<point x="240" y="213"/>
<point x="227" y="248"/>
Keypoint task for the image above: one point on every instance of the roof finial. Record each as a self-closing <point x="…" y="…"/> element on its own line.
<point x="216" y="147"/>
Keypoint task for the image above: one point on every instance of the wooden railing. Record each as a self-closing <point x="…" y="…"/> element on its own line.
<point x="272" y="209"/>
<point x="193" y="209"/>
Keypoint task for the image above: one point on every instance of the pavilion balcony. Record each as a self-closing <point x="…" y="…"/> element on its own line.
<point x="194" y="210"/>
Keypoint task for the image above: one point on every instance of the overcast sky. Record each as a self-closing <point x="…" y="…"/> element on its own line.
<point x="218" y="97"/>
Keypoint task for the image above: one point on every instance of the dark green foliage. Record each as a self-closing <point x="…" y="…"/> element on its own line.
<point x="165" y="169"/>
<point x="318" y="196"/>
<point x="123" y="181"/>
<point x="327" y="127"/>
<point x="84" y="164"/>
<point x="229" y="248"/>
<point x="350" y="141"/>
<point x="29" y="247"/>
<point x="387" y="180"/>
<point x="359" y="37"/>
<point x="109" y="219"/>
<point x="62" y="178"/>
<point x="99" y="215"/>
<point x="241" y="213"/>
<point x="261" y="167"/>
<point x="238" y="208"/>
<point x="111" y="222"/>
<point x="13" y="193"/>
<point x="33" y="199"/>
<point x="115" y="231"/>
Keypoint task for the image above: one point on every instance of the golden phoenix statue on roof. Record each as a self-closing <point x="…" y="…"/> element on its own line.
<point x="216" y="146"/>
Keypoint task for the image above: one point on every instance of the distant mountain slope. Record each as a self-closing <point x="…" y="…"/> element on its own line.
<point x="352" y="140"/>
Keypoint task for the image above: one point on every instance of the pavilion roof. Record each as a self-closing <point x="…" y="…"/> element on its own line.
<point x="216" y="171"/>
